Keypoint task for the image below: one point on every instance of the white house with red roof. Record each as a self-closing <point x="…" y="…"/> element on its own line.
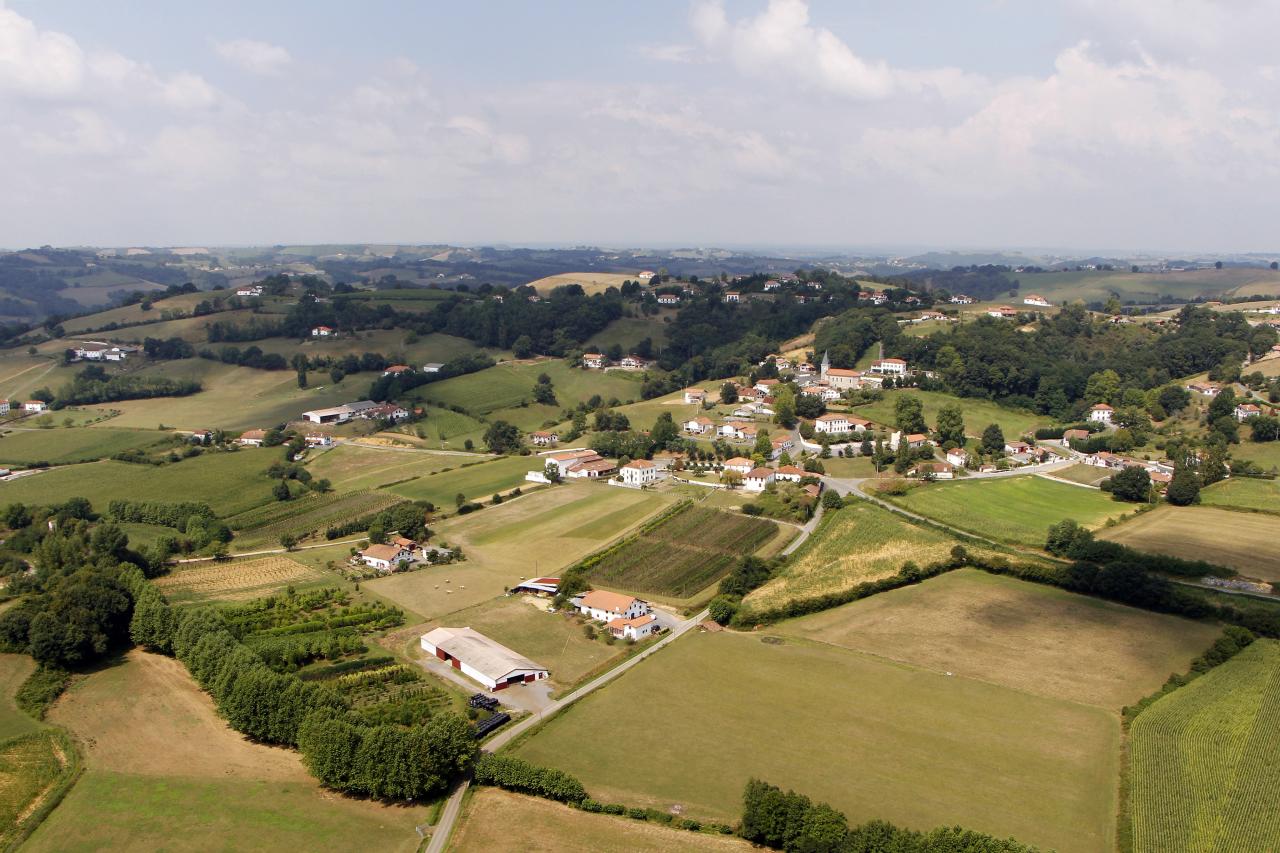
<point x="641" y="472"/>
<point x="758" y="479"/>
<point x="636" y="628"/>
<point x="36" y="406"/>
<point x="694" y="395"/>
<point x="1036" y="300"/>
<point x="594" y="360"/>
<point x="739" y="465"/>
<point x="700" y="425"/>
<point x="833" y="423"/>
<point x="1244" y="411"/>
<point x="1002" y="312"/>
<point x="604" y="606"/>
<point x="322" y="332"/>
<point x="1101" y="413"/>
<point x="889" y="367"/>
<point x="789" y="474"/>
<point x="544" y="438"/>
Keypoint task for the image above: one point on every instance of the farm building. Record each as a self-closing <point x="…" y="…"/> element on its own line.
<point x="318" y="439"/>
<point x="385" y="558"/>
<point x="544" y="439"/>
<point x="36" y="406"/>
<point x="1037" y="300"/>
<point x="633" y="629"/>
<point x="1244" y="411"/>
<point x="1206" y="388"/>
<point x="604" y="606"/>
<point x="4" y="407"/>
<point x="102" y="352"/>
<point x="432" y="367"/>
<point x="538" y="586"/>
<point x="397" y="369"/>
<point x="641" y="472"/>
<point x="478" y="657"/>
<point x="594" y="360"/>
<point x="252" y="437"/>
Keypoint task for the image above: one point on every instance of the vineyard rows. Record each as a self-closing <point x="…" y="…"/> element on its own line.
<point x="1203" y="767"/>
<point x="309" y="514"/>
<point x="684" y="554"/>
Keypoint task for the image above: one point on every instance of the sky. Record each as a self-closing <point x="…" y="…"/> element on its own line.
<point x="1099" y="125"/>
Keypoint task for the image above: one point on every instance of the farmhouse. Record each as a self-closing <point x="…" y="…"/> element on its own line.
<point x="765" y="386"/>
<point x="1016" y="447"/>
<point x="385" y="558"/>
<point x="1037" y="300"/>
<point x="1206" y="388"/>
<point x="1074" y="435"/>
<point x="781" y="443"/>
<point x="789" y="474"/>
<point x="641" y="472"/>
<point x="699" y="425"/>
<point x="961" y="299"/>
<point x="668" y="299"/>
<point x="604" y="606"/>
<point x="732" y="296"/>
<point x="936" y="470"/>
<point x="252" y="437"/>
<point x="478" y="657"/>
<point x="568" y="458"/>
<point x="758" y="479"/>
<point x="385" y="412"/>
<point x="889" y="366"/>
<point x="1002" y="312"/>
<point x="822" y="390"/>
<point x="957" y="457"/>
<point x="738" y="465"/>
<point x="317" y="439"/>
<point x="36" y="406"/>
<point x="832" y="423"/>
<point x="255" y="290"/>
<point x="322" y="332"/>
<point x="594" y="360"/>
<point x="633" y="629"/>
<point x="915" y="440"/>
<point x="694" y="395"/>
<point x="668" y="459"/>
<point x="333" y="415"/>
<point x="538" y="586"/>
<point x="397" y="369"/>
<point x="102" y="352"/>
<point x="1101" y="413"/>
<point x="541" y="438"/>
<point x="1244" y="411"/>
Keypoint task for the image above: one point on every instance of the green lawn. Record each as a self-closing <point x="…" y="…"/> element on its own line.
<point x="229" y="482"/>
<point x="60" y="446"/>
<point x="873" y="738"/>
<point x="1244" y="492"/>
<point x="977" y="413"/>
<point x="14" y="670"/>
<point x="508" y="385"/>
<point x="350" y="467"/>
<point x="449" y="430"/>
<point x="1202" y="767"/>
<point x="1019" y="510"/>
<point x="477" y="481"/>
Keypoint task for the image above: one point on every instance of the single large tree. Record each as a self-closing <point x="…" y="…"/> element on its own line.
<point x="502" y="437"/>
<point x="1133" y="484"/>
<point x="908" y="413"/>
<point x="1184" y="488"/>
<point x="951" y="424"/>
<point x="993" y="439"/>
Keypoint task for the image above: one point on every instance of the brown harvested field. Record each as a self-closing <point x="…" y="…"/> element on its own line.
<point x="1245" y="541"/>
<point x="147" y="716"/>
<point x="592" y="282"/>
<point x="1088" y="475"/>
<point x="547" y="827"/>
<point x="237" y="580"/>
<point x="537" y="534"/>
<point x="1034" y="638"/>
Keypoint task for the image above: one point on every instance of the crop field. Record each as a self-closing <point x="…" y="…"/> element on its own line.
<point x="1031" y="637"/>
<point x="875" y="739"/>
<point x="237" y="580"/>
<point x="1011" y="509"/>
<point x="163" y="771"/>
<point x="229" y="482"/>
<point x="1245" y="541"/>
<point x="859" y="543"/>
<point x="544" y="825"/>
<point x="29" y="765"/>
<point x="60" y="446"/>
<point x="1244" y="492"/>
<point x="236" y="397"/>
<point x="591" y="282"/>
<point x="354" y="466"/>
<point x="306" y="515"/>
<point x="1202" y="764"/>
<point x="506" y="386"/>
<point x="977" y="413"/>
<point x="478" y="481"/>
<point x="537" y="534"/>
<point x="684" y="554"/>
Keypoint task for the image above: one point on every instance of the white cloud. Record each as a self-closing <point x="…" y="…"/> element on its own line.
<point x="255" y="57"/>
<point x="37" y="64"/>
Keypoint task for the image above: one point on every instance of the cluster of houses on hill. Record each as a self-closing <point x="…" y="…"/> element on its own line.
<point x="600" y="361"/>
<point x="1161" y="472"/>
<point x="98" y="351"/>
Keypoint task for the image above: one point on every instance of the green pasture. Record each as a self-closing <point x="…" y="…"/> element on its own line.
<point x="1244" y="492"/>
<point x="977" y="413"/>
<point x="506" y="386"/>
<point x="477" y="481"/>
<point x="60" y="446"/>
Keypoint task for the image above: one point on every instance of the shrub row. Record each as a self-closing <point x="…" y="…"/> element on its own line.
<point x="515" y="774"/>
<point x="175" y="515"/>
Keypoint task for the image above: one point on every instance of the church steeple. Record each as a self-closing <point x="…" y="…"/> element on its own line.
<point x="826" y="365"/>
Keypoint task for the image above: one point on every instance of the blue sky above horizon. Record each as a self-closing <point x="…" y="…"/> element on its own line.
<point x="1120" y="125"/>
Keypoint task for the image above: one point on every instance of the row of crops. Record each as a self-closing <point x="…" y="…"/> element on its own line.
<point x="382" y="691"/>
<point x="308" y="514"/>
<point x="1203" y="767"/>
<point x="684" y="554"/>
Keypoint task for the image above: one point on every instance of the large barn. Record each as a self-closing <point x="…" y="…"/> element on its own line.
<point x="478" y="657"/>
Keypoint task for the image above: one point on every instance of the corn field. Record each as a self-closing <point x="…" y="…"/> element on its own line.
<point x="1204" y="770"/>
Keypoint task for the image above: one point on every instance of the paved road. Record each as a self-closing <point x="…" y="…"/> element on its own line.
<point x="444" y="827"/>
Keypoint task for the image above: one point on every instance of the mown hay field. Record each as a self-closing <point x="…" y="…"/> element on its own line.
<point x="63" y="445"/>
<point x="229" y="482"/>
<point x="164" y="772"/>
<point x="856" y="544"/>
<point x="1088" y="475"/>
<point x="1245" y="541"/>
<point x="305" y="516"/>
<point x="684" y="554"/>
<point x="486" y="827"/>
<point x="1203" y="774"/>
<point x="1018" y="510"/>
<point x="591" y="282"/>
<point x="1244" y="492"/>
<point x="1027" y="636"/>
<point x="236" y="580"/>
<point x="977" y="413"/>
<point x="539" y="533"/>
<point x="875" y="739"/>
<point x="349" y="467"/>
